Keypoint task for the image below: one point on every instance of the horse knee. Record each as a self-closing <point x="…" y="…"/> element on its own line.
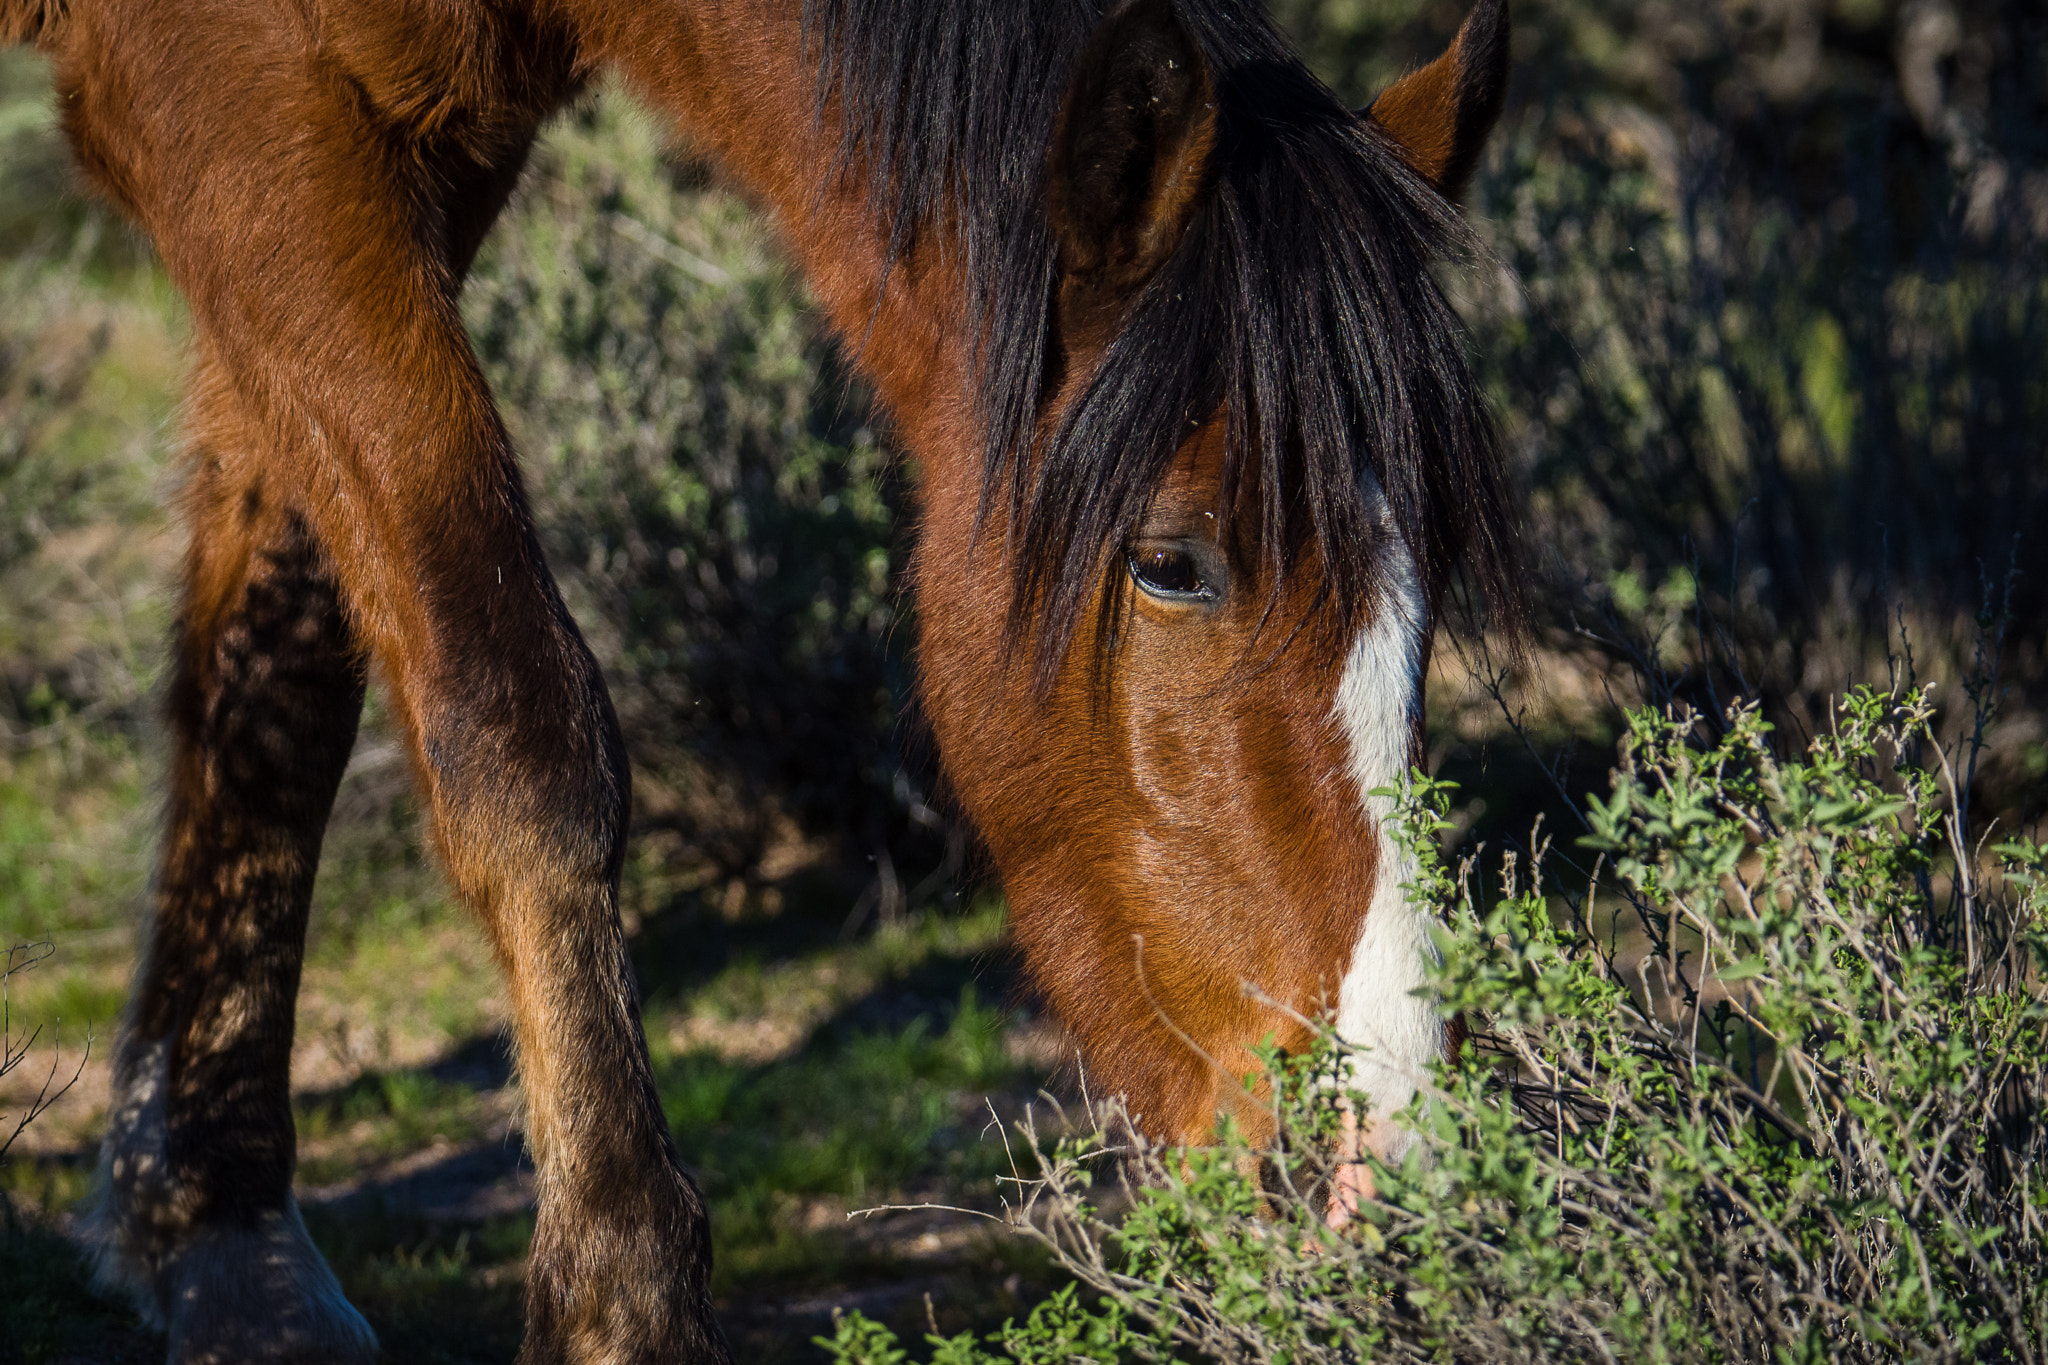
<point x="532" y="802"/>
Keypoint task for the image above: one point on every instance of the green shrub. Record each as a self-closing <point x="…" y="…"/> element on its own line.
<point x="715" y="504"/>
<point x="1765" y="339"/>
<point x="1763" y="1083"/>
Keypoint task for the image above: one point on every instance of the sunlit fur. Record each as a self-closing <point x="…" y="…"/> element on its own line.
<point x="1172" y="789"/>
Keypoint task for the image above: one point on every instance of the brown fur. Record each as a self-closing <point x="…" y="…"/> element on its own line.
<point x="1125" y="179"/>
<point x="317" y="175"/>
<point x="1190" y="833"/>
<point x="1440" y="114"/>
<point x="30" y="21"/>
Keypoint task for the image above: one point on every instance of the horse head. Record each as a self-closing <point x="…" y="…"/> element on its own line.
<point x="1174" y="631"/>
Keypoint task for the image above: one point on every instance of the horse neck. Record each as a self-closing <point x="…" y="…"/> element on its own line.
<point x="735" y="76"/>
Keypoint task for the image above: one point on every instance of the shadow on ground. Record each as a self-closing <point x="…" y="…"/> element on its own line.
<point x="805" y="1076"/>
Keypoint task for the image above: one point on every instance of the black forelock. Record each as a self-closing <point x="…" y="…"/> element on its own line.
<point x="1300" y="301"/>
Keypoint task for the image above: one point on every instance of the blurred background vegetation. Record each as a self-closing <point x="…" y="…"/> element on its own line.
<point x="1768" y="336"/>
<point x="1765" y="318"/>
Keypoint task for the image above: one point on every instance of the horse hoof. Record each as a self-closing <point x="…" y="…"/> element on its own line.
<point x="259" y="1295"/>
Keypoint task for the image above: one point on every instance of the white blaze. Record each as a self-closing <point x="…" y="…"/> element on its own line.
<point x="1378" y="701"/>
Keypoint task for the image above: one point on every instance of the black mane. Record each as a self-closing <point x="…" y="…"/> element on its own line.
<point x="1300" y="297"/>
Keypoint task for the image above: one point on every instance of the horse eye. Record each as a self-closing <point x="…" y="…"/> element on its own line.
<point x="1164" y="571"/>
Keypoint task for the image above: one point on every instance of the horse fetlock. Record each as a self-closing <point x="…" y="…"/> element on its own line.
<point x="613" y="1276"/>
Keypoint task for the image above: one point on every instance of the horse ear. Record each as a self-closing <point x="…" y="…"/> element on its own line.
<point x="1131" y="157"/>
<point x="1441" y="114"/>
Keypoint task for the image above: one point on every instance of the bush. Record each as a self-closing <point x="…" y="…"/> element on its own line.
<point x="1765" y="1082"/>
<point x="712" y="497"/>
<point x="1766" y="334"/>
<point x="15" y="1048"/>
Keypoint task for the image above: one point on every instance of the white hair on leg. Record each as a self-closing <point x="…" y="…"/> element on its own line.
<point x="225" y="1293"/>
<point x="135" y="1215"/>
<point x="1379" y="1010"/>
<point x="237" y="1294"/>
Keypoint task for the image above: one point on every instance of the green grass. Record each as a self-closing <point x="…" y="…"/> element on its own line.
<point x="437" y="1296"/>
<point x="786" y="1149"/>
<point x="883" y="1058"/>
<point x="57" y="815"/>
<point x="49" y="1308"/>
<point x="381" y="1115"/>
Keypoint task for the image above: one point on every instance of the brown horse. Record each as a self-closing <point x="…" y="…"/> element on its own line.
<point x="1199" y="447"/>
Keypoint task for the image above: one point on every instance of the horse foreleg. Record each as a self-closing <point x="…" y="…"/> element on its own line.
<point x="320" y="231"/>
<point x="524" y="770"/>
<point x="196" y="1171"/>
